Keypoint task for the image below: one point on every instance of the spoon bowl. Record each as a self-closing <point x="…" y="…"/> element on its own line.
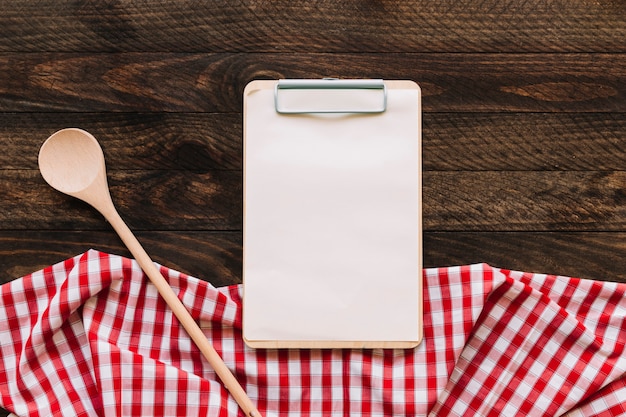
<point x="70" y="160"/>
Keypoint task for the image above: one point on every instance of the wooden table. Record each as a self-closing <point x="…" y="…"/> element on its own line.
<point x="524" y="126"/>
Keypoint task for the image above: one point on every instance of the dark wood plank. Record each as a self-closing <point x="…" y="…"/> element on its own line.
<point x="214" y="257"/>
<point x="302" y="25"/>
<point x="452" y="201"/>
<point x="451" y="141"/>
<point x="146" y="199"/>
<point x="132" y="141"/>
<point x="524" y="201"/>
<point x="590" y="255"/>
<point x="162" y="82"/>
<point x="524" y="141"/>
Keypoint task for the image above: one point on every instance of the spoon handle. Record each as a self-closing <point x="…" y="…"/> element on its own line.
<point x="179" y="310"/>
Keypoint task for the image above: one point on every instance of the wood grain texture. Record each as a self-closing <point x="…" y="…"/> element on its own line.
<point x="524" y="141"/>
<point x="212" y="256"/>
<point x="146" y="199"/>
<point x="203" y="142"/>
<point x="167" y="82"/>
<point x="132" y="141"/>
<point x="524" y="201"/>
<point x="590" y="255"/>
<point x="313" y="26"/>
<point x="452" y="201"/>
<point x="216" y="256"/>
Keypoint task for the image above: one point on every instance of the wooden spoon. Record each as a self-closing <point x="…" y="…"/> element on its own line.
<point x="72" y="162"/>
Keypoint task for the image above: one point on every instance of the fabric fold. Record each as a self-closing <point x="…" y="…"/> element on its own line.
<point x="529" y="355"/>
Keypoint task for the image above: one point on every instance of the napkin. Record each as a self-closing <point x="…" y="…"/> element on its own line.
<point x="90" y="336"/>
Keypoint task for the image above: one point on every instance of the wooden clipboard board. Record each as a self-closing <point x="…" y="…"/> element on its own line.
<point x="332" y="214"/>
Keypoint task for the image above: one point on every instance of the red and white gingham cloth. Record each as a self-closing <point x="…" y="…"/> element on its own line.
<point x="90" y="337"/>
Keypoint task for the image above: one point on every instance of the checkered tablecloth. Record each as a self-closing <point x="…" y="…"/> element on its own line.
<point x="90" y="337"/>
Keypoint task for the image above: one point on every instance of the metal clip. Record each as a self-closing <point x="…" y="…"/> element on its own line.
<point x="330" y="95"/>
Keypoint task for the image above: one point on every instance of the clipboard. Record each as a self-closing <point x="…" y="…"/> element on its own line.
<point x="332" y="246"/>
